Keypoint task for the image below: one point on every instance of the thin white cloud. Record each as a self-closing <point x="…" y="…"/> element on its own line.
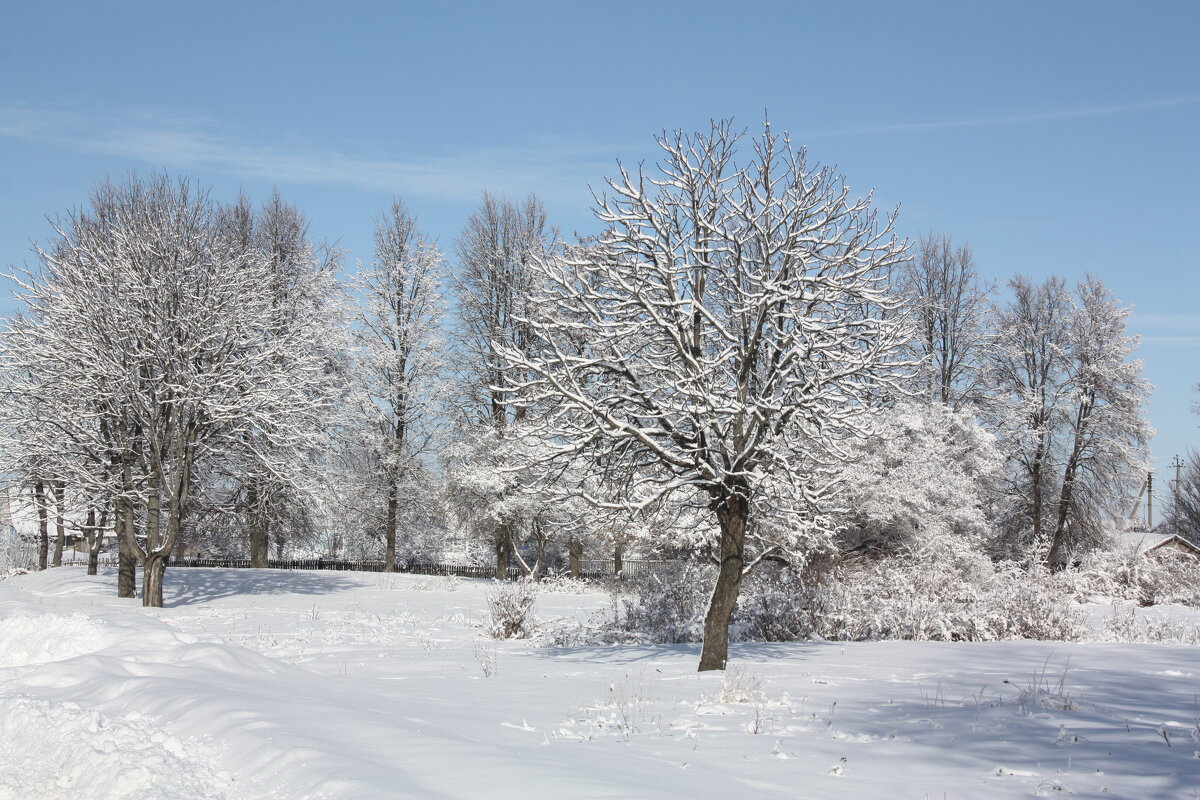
<point x="1015" y="119"/>
<point x="1167" y="330"/>
<point x="1172" y="341"/>
<point x="1172" y="322"/>
<point x="554" y="170"/>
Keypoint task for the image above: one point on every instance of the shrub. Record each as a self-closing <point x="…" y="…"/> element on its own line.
<point x="511" y="607"/>
<point x="1128" y="626"/>
<point x="16" y="557"/>
<point x="943" y="589"/>
<point x="779" y="604"/>
<point x="1148" y="579"/>
<point x="947" y="590"/>
<point x="665" y="606"/>
<point x="1168" y="579"/>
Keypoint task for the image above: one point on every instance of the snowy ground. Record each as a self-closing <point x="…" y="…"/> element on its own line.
<point x="266" y="684"/>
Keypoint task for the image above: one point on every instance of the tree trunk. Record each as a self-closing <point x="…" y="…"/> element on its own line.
<point x="93" y="537"/>
<point x="126" y="573"/>
<point x="153" y="566"/>
<point x="389" y="559"/>
<point x="574" y="556"/>
<point x="60" y="522"/>
<point x="179" y="549"/>
<point x="534" y="572"/>
<point x="39" y="494"/>
<point x="258" y="543"/>
<point x="1036" y="471"/>
<point x="152" y="580"/>
<point x="619" y="560"/>
<point x="503" y="552"/>
<point x="541" y="558"/>
<point x="126" y="554"/>
<point x="258" y="527"/>
<point x="732" y="515"/>
<point x="1055" y="559"/>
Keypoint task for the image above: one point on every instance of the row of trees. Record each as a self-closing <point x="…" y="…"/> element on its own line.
<point x="746" y="364"/>
<point x="168" y="351"/>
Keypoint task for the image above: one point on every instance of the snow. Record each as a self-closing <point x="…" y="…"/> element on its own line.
<point x="269" y="684"/>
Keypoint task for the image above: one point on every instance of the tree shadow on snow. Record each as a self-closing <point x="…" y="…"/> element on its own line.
<point x="739" y="654"/>
<point x="191" y="585"/>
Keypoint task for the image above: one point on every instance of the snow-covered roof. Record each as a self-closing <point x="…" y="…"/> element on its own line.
<point x="1144" y="542"/>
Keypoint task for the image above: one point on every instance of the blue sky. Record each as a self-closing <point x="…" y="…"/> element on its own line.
<point x="1055" y="137"/>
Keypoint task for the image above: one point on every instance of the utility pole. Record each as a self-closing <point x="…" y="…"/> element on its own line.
<point x="1150" y="500"/>
<point x="1137" y="504"/>
<point x="1178" y="465"/>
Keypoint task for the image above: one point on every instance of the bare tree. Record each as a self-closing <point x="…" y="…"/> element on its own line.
<point x="1185" y="507"/>
<point x="400" y="361"/>
<point x="949" y="304"/>
<point x="713" y="343"/>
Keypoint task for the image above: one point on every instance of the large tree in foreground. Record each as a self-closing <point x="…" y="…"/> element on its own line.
<point x="718" y="341"/>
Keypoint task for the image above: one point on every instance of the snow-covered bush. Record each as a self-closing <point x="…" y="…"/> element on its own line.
<point x="942" y="589"/>
<point x="16" y="557"/>
<point x="511" y="609"/>
<point x="1168" y="579"/>
<point x="779" y="604"/>
<point x="1128" y="626"/>
<point x="945" y="590"/>
<point x="665" y="606"/>
<point x="560" y="582"/>
<point x="1127" y="573"/>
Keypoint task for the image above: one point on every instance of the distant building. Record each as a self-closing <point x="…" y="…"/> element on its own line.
<point x="1161" y="544"/>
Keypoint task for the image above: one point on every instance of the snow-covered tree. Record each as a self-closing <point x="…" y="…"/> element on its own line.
<point x="1105" y="424"/>
<point x="489" y="489"/>
<point x="400" y="361"/>
<point x="496" y="249"/>
<point x="1071" y="412"/>
<point x="279" y="482"/>
<point x="152" y="311"/>
<point x="1027" y="366"/>
<point x="926" y="471"/>
<point x="717" y="341"/>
